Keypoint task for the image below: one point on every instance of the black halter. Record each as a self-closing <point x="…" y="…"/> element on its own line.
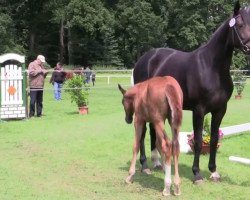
<point x="245" y="48"/>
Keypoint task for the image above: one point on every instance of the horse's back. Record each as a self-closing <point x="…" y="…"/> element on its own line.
<point x="161" y="62"/>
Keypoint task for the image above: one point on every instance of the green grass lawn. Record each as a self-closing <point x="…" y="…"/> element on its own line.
<point x="64" y="155"/>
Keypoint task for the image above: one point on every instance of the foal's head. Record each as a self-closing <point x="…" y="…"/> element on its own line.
<point x="240" y="24"/>
<point x="127" y="102"/>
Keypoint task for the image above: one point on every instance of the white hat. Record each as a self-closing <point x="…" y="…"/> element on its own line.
<point x="41" y="58"/>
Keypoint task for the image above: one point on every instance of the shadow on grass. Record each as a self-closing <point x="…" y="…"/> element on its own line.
<point x="72" y="113"/>
<point x="153" y="181"/>
<point x="156" y="183"/>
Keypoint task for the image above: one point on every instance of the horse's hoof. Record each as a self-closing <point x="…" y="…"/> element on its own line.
<point x="215" y="180"/>
<point x="158" y="167"/>
<point x="166" y="191"/>
<point x="198" y="182"/>
<point x="129" y="179"/>
<point x="215" y="177"/>
<point x="177" y="190"/>
<point x="147" y="171"/>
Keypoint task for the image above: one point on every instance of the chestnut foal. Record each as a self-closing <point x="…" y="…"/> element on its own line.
<point x="153" y="101"/>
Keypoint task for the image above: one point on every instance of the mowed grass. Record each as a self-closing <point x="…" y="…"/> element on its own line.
<point x="64" y="155"/>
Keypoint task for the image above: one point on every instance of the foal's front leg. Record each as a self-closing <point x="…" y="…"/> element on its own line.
<point x="138" y="132"/>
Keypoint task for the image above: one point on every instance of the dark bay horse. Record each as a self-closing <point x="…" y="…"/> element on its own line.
<point x="154" y="101"/>
<point x="204" y="76"/>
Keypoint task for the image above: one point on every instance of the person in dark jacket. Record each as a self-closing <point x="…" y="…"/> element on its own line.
<point x="57" y="79"/>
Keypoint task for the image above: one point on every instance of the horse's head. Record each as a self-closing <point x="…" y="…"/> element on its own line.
<point x="240" y="24"/>
<point x="127" y="102"/>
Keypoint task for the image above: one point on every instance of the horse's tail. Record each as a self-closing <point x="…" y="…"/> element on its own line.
<point x="175" y="100"/>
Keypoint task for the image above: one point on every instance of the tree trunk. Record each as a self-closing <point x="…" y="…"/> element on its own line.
<point x="61" y="35"/>
<point x="32" y="42"/>
<point x="70" y="50"/>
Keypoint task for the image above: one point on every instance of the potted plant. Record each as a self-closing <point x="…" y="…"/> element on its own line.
<point x="239" y="80"/>
<point x="79" y="92"/>
<point x="206" y="137"/>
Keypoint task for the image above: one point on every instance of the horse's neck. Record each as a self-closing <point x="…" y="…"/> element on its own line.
<point x="219" y="46"/>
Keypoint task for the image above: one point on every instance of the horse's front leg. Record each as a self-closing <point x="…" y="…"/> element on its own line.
<point x="215" y="124"/>
<point x="143" y="157"/>
<point x="198" y="119"/>
<point x="154" y="153"/>
<point x="138" y="132"/>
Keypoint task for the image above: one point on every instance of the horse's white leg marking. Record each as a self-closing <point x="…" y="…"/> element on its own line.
<point x="167" y="180"/>
<point x="215" y="176"/>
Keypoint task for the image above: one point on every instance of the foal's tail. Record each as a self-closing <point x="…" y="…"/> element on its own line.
<point x="175" y="100"/>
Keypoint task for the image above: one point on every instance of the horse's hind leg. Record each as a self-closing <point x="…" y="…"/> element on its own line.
<point x="143" y="158"/>
<point x="166" y="149"/>
<point x="215" y="124"/>
<point x="138" y="133"/>
<point x="154" y="153"/>
<point x="176" y="152"/>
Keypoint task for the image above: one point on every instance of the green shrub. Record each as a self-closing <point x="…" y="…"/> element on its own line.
<point x="239" y="80"/>
<point x="78" y="90"/>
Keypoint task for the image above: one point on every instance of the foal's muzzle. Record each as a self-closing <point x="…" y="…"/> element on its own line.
<point x="129" y="120"/>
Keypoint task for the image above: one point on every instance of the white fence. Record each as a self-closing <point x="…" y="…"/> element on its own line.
<point x="13" y="85"/>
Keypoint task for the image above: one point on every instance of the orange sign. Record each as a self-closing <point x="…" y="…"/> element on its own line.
<point x="12" y="90"/>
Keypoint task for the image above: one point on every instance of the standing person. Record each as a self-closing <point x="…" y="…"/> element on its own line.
<point x="87" y="74"/>
<point x="37" y="74"/>
<point x="57" y="79"/>
<point x="93" y="78"/>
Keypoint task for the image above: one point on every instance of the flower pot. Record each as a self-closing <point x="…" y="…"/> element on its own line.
<point x="83" y="110"/>
<point x="205" y="148"/>
<point x="237" y="97"/>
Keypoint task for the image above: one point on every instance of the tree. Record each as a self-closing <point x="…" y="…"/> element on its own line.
<point x="90" y="23"/>
<point x="8" y="33"/>
<point x="138" y="29"/>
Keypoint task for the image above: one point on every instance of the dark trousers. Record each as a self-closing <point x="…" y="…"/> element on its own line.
<point x="36" y="100"/>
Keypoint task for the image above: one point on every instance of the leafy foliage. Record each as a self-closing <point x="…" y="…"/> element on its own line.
<point x="80" y="90"/>
<point x="106" y="32"/>
<point x="239" y="80"/>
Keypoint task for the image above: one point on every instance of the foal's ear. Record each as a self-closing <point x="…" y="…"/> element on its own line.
<point x="236" y="8"/>
<point x="121" y="89"/>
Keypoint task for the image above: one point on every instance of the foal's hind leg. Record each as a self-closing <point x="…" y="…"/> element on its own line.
<point x="154" y="153"/>
<point x="138" y="133"/>
<point x="176" y="152"/>
<point x="166" y="149"/>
